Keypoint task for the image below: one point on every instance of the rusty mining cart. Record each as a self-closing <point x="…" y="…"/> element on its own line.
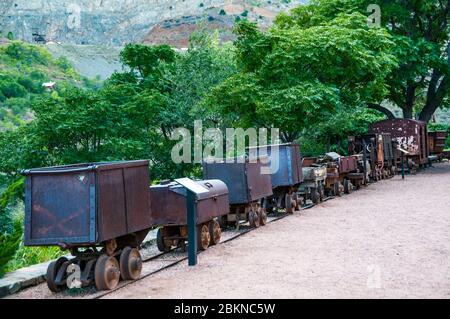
<point x="436" y="144"/>
<point x="339" y="173"/>
<point x="411" y="136"/>
<point x="314" y="176"/>
<point x="169" y="210"/>
<point x="247" y="186"/>
<point x="285" y="164"/>
<point x="100" y="212"/>
<point x="379" y="153"/>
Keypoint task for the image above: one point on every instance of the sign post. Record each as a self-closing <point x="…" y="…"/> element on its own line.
<point x="192" y="190"/>
<point x="403" y="152"/>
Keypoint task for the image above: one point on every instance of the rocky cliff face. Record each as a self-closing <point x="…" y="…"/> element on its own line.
<point x="115" y="22"/>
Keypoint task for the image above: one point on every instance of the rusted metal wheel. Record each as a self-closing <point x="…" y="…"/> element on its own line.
<point x="393" y="170"/>
<point x="262" y="216"/>
<point x="160" y="243"/>
<point x="288" y="204"/>
<point x="348" y="187"/>
<point x="337" y="189"/>
<point x="215" y="232"/>
<point x="107" y="273"/>
<point x="130" y="264"/>
<point x="253" y="219"/>
<point x="297" y="201"/>
<point x="52" y="272"/>
<point x="321" y="192"/>
<point x="315" y="196"/>
<point x="203" y="237"/>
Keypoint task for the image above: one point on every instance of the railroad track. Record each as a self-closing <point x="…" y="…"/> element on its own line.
<point x="179" y="259"/>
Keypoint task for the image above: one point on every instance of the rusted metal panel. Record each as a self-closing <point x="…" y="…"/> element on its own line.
<point x="138" y="202"/>
<point x="308" y="161"/>
<point x="410" y="134"/>
<point x="111" y="205"/>
<point x="244" y="180"/>
<point x="289" y="163"/>
<point x="259" y="185"/>
<point x="169" y="202"/>
<point x="86" y="203"/>
<point x="436" y="141"/>
<point x="58" y="208"/>
<point x="347" y="164"/>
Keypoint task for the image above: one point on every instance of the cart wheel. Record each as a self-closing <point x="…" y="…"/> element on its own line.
<point x="215" y="232"/>
<point x="393" y="170"/>
<point x="337" y="189"/>
<point x="203" y="237"/>
<point x="315" y="196"/>
<point x="52" y="272"/>
<point x="297" y="201"/>
<point x="130" y="264"/>
<point x="253" y="219"/>
<point x="107" y="273"/>
<point x="262" y="217"/>
<point x="348" y="187"/>
<point x="162" y="247"/>
<point x="321" y="192"/>
<point x="288" y="204"/>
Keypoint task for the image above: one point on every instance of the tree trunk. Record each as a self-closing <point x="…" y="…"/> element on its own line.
<point x="407" y="112"/>
<point x="435" y="93"/>
<point x="382" y="109"/>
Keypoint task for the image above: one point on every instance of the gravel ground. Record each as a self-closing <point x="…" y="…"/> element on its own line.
<point x="389" y="240"/>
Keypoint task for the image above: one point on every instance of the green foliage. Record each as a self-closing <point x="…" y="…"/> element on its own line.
<point x="28" y="54"/>
<point x="293" y="77"/>
<point x="9" y="243"/>
<point x="10" y="227"/>
<point x="420" y="30"/>
<point x="27" y="256"/>
<point x="331" y="134"/>
<point x="147" y="60"/>
<point x="24" y="67"/>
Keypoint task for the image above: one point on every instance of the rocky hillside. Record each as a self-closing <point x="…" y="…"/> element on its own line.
<point x="116" y="22"/>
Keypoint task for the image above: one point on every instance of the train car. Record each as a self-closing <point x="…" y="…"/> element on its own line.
<point x="100" y="212"/>
<point x="314" y="176"/>
<point x="247" y="187"/>
<point x="169" y="210"/>
<point x="378" y="152"/>
<point x="286" y="175"/>
<point x="411" y="136"/>
<point x="436" y="144"/>
<point x="338" y="170"/>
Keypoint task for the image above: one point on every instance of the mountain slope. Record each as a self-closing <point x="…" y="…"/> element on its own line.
<point x="116" y="22"/>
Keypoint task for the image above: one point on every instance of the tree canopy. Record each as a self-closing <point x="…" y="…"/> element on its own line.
<point x="419" y="30"/>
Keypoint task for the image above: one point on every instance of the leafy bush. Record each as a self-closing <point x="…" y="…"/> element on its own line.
<point x="27" y="256"/>
<point x="27" y="53"/>
<point x="17" y="105"/>
<point x="12" y="89"/>
<point x="9" y="243"/>
<point x="10" y="227"/>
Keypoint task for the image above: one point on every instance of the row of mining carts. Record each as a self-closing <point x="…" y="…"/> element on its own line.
<point x="102" y="212"/>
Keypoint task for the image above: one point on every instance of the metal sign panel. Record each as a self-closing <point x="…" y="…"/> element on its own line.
<point x="192" y="186"/>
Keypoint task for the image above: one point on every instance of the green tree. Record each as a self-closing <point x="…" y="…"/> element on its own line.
<point x="295" y="76"/>
<point x="420" y="30"/>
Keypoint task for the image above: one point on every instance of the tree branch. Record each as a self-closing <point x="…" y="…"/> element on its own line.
<point x="381" y="109"/>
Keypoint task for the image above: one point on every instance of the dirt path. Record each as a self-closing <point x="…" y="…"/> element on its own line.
<point x="390" y="240"/>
